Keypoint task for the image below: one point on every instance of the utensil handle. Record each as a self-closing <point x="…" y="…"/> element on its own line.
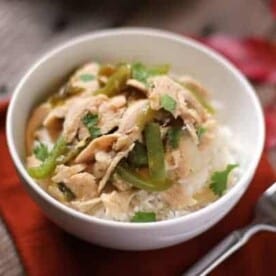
<point x="221" y="251"/>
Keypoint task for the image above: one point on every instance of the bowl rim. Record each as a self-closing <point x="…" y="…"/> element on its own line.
<point x="152" y="33"/>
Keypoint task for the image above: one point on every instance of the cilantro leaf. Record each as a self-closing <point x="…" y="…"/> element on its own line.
<point x="41" y="151"/>
<point x="219" y="180"/>
<point x="141" y="73"/>
<point x="200" y="131"/>
<point x="86" y="77"/>
<point x="138" y="156"/>
<point x="173" y="136"/>
<point x="91" y="120"/>
<point x="144" y="217"/>
<point x="168" y="103"/>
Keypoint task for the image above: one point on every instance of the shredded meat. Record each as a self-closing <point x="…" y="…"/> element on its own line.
<point x="35" y="121"/>
<point x="102" y="143"/>
<point x="137" y="84"/>
<point x="119" y="156"/>
<point x="116" y="204"/>
<point x="63" y="173"/>
<point x="88" y="86"/>
<point x="77" y="110"/>
<point x="187" y="107"/>
<point x="83" y="185"/>
<point x="87" y="206"/>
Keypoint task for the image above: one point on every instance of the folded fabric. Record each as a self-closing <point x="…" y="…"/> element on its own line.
<point x="45" y="249"/>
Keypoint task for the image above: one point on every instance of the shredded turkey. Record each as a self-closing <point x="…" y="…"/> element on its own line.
<point x="35" y="121"/>
<point x="137" y="84"/>
<point x="86" y="206"/>
<point x="83" y="185"/>
<point x="85" y="79"/>
<point x="112" y="166"/>
<point x="63" y="173"/>
<point x="116" y="204"/>
<point x="77" y="110"/>
<point x="102" y="143"/>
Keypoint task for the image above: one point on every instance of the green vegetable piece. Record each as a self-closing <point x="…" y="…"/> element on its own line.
<point x="144" y="183"/>
<point x="219" y="180"/>
<point x="116" y="82"/>
<point x="144" y="217"/>
<point x="49" y="164"/>
<point x="201" y="99"/>
<point x="141" y="73"/>
<point x="90" y="120"/>
<point x="146" y="115"/>
<point x="173" y="136"/>
<point x="41" y="151"/>
<point x="68" y="194"/>
<point x="86" y="77"/>
<point x="200" y="131"/>
<point x="138" y="156"/>
<point x="168" y="103"/>
<point x="156" y="155"/>
<point x="106" y="70"/>
<point x="65" y="93"/>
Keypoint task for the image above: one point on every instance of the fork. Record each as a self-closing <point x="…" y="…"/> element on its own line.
<point x="265" y="220"/>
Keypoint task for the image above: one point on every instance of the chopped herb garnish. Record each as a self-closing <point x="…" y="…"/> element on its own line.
<point x="200" y="131"/>
<point x="168" y="103"/>
<point x="87" y="77"/>
<point x="41" y="151"/>
<point x="144" y="217"/>
<point x="141" y="73"/>
<point x="68" y="194"/>
<point x="219" y="180"/>
<point x="173" y="136"/>
<point x="138" y="156"/>
<point x="49" y="164"/>
<point x="91" y="120"/>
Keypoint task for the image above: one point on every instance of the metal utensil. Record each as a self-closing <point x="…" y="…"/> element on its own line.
<point x="265" y="219"/>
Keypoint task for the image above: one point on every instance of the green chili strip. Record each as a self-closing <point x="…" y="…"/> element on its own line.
<point x="49" y="165"/>
<point x="138" y="156"/>
<point x="155" y="150"/>
<point x="146" y="116"/>
<point x="116" y="82"/>
<point x="157" y="179"/>
<point x="200" y="98"/>
<point x="137" y="181"/>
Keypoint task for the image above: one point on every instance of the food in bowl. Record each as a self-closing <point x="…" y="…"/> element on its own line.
<point x="128" y="142"/>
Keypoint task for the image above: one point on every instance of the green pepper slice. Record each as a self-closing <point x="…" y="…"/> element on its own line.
<point x="116" y="82"/>
<point x="199" y="97"/>
<point x="157" y="179"/>
<point x="50" y="163"/>
<point x="146" y="116"/>
<point x="155" y="151"/>
<point x="140" y="182"/>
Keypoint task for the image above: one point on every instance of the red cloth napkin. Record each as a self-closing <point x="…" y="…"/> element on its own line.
<point x="46" y="249"/>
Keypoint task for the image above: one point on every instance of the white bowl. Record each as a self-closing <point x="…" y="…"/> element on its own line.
<point x="242" y="114"/>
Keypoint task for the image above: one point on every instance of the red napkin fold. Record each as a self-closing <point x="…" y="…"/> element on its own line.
<point x="45" y="249"/>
